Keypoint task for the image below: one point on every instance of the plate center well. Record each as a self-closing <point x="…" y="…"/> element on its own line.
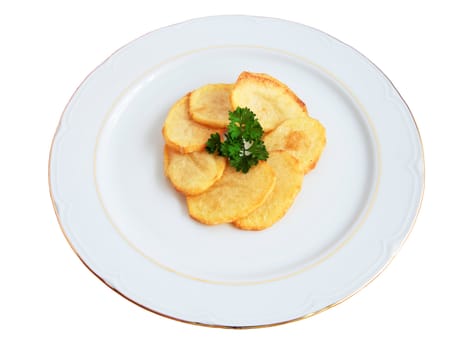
<point x="147" y="212"/>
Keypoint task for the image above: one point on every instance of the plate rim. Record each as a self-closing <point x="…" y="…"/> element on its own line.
<point x="386" y="264"/>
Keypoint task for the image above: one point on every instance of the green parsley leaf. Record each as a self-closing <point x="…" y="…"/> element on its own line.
<point x="242" y="146"/>
<point x="214" y="143"/>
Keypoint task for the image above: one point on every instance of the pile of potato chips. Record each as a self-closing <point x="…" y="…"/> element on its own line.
<point x="215" y="192"/>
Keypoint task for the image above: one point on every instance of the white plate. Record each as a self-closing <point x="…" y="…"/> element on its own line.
<point x="129" y="226"/>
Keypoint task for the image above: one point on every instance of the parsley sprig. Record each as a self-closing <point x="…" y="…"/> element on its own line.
<point x="242" y="145"/>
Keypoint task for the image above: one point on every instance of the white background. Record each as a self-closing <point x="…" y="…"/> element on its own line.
<point x="49" y="299"/>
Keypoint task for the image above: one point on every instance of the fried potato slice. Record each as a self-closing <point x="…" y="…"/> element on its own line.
<point x="181" y="132"/>
<point x="304" y="138"/>
<point x="289" y="178"/>
<point x="233" y="196"/>
<point x="271" y="100"/>
<point x="192" y="173"/>
<point x="210" y="105"/>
